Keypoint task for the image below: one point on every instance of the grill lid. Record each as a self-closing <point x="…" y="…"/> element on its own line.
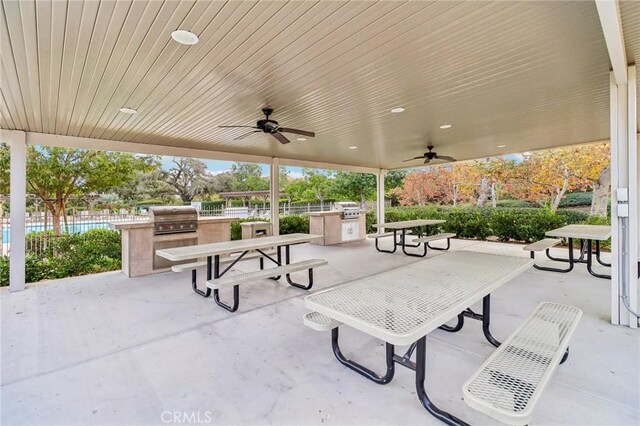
<point x="172" y="213"/>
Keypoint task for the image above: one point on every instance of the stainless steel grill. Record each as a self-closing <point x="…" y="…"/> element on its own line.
<point x="349" y="209"/>
<point x="173" y="219"/>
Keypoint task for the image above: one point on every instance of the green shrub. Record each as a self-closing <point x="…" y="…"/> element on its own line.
<point x="574" y="199"/>
<point x="50" y="257"/>
<point x="515" y="204"/>
<point x="524" y="225"/>
<point x="294" y="224"/>
<point x="469" y="222"/>
<point x="572" y="217"/>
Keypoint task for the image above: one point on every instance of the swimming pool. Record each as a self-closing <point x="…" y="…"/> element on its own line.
<point x="73" y="228"/>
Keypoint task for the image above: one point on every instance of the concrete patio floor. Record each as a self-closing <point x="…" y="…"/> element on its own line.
<point x="105" y="349"/>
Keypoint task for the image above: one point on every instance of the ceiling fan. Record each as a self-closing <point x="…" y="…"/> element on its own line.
<point x="430" y="155"/>
<point x="271" y="126"/>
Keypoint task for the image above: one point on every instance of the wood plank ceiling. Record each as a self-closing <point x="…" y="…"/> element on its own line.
<point x="528" y="75"/>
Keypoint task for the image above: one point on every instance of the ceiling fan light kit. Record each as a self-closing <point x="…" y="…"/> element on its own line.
<point x="266" y="125"/>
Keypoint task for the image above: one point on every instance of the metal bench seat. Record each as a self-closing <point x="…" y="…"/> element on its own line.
<point x="245" y="277"/>
<point x="319" y="322"/>
<point x="435" y="237"/>
<point x="542" y="245"/>
<point x="385" y="234"/>
<point x="509" y="384"/>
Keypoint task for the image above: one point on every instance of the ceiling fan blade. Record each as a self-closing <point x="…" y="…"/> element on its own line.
<point x="281" y="138"/>
<point x="414" y="158"/>
<point x="250" y="127"/>
<point x="297" y="132"/>
<point x="446" y="158"/>
<point x="427" y="161"/>
<point x="246" y="134"/>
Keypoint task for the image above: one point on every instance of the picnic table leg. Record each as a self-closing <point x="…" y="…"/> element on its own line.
<point x="455" y="328"/>
<point x="486" y="320"/>
<point x="421" y="360"/>
<point x="598" y="255"/>
<point x="287" y="259"/>
<point x="405" y="245"/>
<point x="216" y="292"/>
<point x="194" y="281"/>
<point x="570" y="260"/>
<point x="395" y="244"/>
<point x="590" y="264"/>
<point x="364" y="371"/>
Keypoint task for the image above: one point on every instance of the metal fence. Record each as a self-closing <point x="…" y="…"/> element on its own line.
<point x="79" y="221"/>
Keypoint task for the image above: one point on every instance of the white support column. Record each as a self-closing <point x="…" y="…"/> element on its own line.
<point x="634" y="179"/>
<point x="380" y="206"/>
<point x="274" y="176"/>
<point x="18" y="199"/>
<point x="624" y="211"/>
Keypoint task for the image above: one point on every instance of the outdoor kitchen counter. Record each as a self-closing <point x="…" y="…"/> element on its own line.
<point x="139" y="243"/>
<point x="336" y="230"/>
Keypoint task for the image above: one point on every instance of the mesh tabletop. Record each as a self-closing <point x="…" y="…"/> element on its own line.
<point x="227" y="247"/>
<point x="405" y="304"/>
<point x="409" y="223"/>
<point x="586" y="232"/>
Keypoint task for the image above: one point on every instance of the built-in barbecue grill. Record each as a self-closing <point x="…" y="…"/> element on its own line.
<point x="173" y="219"/>
<point x="349" y="209"/>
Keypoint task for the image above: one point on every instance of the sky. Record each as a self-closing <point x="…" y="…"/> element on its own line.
<point x="217" y="166"/>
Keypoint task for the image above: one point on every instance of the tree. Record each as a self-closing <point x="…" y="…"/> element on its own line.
<point x="55" y="174"/>
<point x="248" y="177"/>
<point x="319" y="184"/>
<point x="188" y="177"/>
<point x="600" y="194"/>
<point x="429" y="185"/>
<point x="147" y="186"/>
<point x="548" y="175"/>
<point x="5" y="164"/>
<point x="221" y="182"/>
<point x="355" y="186"/>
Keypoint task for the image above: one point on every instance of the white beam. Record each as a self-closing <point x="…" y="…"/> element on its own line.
<point x="380" y="206"/>
<point x="609" y="13"/>
<point x="18" y="199"/>
<point x="274" y="177"/>
<point x="150" y="149"/>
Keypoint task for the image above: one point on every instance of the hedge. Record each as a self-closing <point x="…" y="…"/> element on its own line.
<point x="288" y="225"/>
<point x="507" y="224"/>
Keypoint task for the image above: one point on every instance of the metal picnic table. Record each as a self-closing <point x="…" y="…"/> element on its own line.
<point x="403" y="227"/>
<point x="403" y="305"/>
<point x="214" y="251"/>
<point x="587" y="234"/>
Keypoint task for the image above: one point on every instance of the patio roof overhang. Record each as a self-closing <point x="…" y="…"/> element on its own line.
<point x="528" y="75"/>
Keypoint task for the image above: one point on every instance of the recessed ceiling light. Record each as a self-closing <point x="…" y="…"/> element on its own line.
<point x="128" y="110"/>
<point x="446" y="126"/>
<point x="526" y="153"/>
<point x="397" y="110"/>
<point x="353" y="147"/>
<point x="501" y="146"/>
<point x="301" y="139"/>
<point x="184" y="37"/>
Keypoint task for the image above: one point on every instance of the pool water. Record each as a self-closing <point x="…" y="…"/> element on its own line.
<point x="73" y="228"/>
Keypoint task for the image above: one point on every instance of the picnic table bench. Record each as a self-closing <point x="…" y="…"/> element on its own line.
<point x="261" y="248"/>
<point x="400" y="231"/>
<point x="402" y="306"/>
